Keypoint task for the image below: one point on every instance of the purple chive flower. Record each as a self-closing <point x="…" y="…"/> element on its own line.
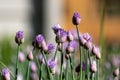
<point x="77" y="69"/>
<point x="56" y="28"/>
<point x="71" y="47"/>
<point x="51" y="63"/>
<point x="70" y="36"/>
<point x="30" y="56"/>
<point x="41" y="59"/>
<point x="19" y="38"/>
<point x="61" y="36"/>
<point x="5" y="74"/>
<point x="87" y="37"/>
<point x="93" y="67"/>
<point x="51" y="48"/>
<point x="76" y="18"/>
<point x="64" y="45"/>
<point x="39" y="41"/>
<point x="96" y="51"/>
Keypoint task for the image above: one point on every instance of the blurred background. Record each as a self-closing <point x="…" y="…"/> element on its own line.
<point x="38" y="16"/>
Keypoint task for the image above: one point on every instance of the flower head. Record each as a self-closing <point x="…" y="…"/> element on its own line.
<point x="93" y="67"/>
<point x="61" y="36"/>
<point x="71" y="46"/>
<point x="41" y="59"/>
<point x="33" y="66"/>
<point x="19" y="38"/>
<point x="77" y="69"/>
<point x="21" y="57"/>
<point x="76" y="18"/>
<point x="56" y="28"/>
<point x="51" y="48"/>
<point x="70" y="36"/>
<point x="51" y="63"/>
<point x="30" y="56"/>
<point x="87" y="37"/>
<point x="96" y="51"/>
<point x="5" y="74"/>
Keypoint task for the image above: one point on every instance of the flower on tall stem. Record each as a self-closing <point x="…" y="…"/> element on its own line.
<point x="30" y="56"/>
<point x="5" y="74"/>
<point x="33" y="67"/>
<point x="51" y="63"/>
<point x="51" y="48"/>
<point x="96" y="52"/>
<point x="41" y="59"/>
<point x="76" y="19"/>
<point x="19" y="37"/>
<point x="93" y="67"/>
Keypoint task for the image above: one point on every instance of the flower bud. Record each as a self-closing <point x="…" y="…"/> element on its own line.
<point x="33" y="67"/>
<point x="19" y="38"/>
<point x="116" y="72"/>
<point x="67" y="56"/>
<point x="5" y="74"/>
<point x="70" y="36"/>
<point x="93" y="67"/>
<point x="51" y="64"/>
<point x="88" y="45"/>
<point x="96" y="51"/>
<point x="30" y="56"/>
<point x="41" y="59"/>
<point x="33" y="76"/>
<point x="44" y="45"/>
<point x="76" y="18"/>
<point x="21" y="57"/>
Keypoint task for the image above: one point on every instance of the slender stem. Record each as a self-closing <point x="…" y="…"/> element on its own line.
<point x="87" y="57"/>
<point x="80" y="50"/>
<point x="97" y="75"/>
<point x="28" y="70"/>
<point x="7" y="68"/>
<point x="56" y="52"/>
<point x="72" y="68"/>
<point x="66" y="77"/>
<point x="50" y="75"/>
<point x="102" y="41"/>
<point x="92" y="76"/>
<point x="40" y="67"/>
<point x="62" y="59"/>
<point x="28" y="67"/>
<point x="17" y="63"/>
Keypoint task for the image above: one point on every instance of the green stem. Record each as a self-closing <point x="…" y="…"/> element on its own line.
<point x="72" y="68"/>
<point x="102" y="41"/>
<point x="40" y="67"/>
<point x="28" y="70"/>
<point x="66" y="78"/>
<point x="48" y="69"/>
<point x="87" y="57"/>
<point x="92" y="76"/>
<point x="62" y="59"/>
<point x="7" y="68"/>
<point x="28" y="67"/>
<point x="80" y="50"/>
<point x="97" y="75"/>
<point x="17" y="63"/>
<point x="56" y="52"/>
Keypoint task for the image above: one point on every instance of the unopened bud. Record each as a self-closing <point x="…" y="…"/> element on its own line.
<point x="116" y="72"/>
<point x="30" y="56"/>
<point x="5" y="74"/>
<point x="93" y="67"/>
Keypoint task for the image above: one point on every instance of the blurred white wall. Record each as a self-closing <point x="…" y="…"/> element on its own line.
<point x="53" y="15"/>
<point x="14" y="16"/>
